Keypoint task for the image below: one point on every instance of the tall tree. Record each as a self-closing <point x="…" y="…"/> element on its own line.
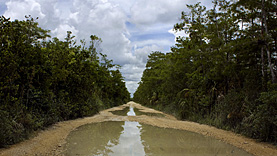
<point x="218" y="74"/>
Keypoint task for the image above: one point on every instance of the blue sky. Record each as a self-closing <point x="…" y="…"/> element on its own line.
<point x="130" y="29"/>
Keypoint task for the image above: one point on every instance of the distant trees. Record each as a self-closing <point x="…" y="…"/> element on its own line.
<point x="45" y="80"/>
<point x="224" y="73"/>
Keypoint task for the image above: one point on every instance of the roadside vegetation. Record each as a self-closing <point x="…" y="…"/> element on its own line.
<point x="44" y="80"/>
<point x="224" y="73"/>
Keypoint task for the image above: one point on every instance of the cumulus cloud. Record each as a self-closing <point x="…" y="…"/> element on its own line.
<point x="145" y="12"/>
<point x="107" y="21"/>
<point x="15" y="9"/>
<point x="46" y="10"/>
<point x="61" y="31"/>
<point x="132" y="74"/>
<point x="142" y="53"/>
<point x="130" y="29"/>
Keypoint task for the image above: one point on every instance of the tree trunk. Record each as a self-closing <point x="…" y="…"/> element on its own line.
<point x="262" y="49"/>
<point x="266" y="43"/>
<point x="262" y="57"/>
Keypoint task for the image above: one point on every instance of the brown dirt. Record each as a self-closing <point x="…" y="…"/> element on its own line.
<point x="52" y="140"/>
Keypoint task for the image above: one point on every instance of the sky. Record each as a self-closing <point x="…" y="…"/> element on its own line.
<point x="130" y="29"/>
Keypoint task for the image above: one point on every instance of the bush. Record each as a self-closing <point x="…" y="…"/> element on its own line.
<point x="262" y="124"/>
<point x="11" y="131"/>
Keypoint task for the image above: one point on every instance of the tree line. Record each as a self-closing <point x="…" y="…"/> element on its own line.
<point x="224" y="73"/>
<point x="44" y="80"/>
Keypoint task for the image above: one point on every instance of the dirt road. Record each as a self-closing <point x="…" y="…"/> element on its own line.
<point x="52" y="140"/>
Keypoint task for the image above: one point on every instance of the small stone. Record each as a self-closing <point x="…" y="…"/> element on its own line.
<point x="245" y="142"/>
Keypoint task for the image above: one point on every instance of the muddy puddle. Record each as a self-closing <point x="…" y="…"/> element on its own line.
<point x="118" y="138"/>
<point x="138" y="112"/>
<point x="122" y="112"/>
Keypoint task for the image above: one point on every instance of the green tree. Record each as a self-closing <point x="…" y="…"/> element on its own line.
<point x="44" y="81"/>
<point x="223" y="73"/>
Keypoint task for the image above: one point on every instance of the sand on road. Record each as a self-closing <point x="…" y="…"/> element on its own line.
<point x="52" y="140"/>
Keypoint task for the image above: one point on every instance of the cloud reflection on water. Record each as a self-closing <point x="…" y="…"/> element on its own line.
<point x="116" y="138"/>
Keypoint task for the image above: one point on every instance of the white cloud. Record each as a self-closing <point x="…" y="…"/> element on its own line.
<point x="142" y="53"/>
<point x="18" y="9"/>
<point x="178" y="33"/>
<point x="107" y="21"/>
<point x="132" y="86"/>
<point x="61" y="31"/>
<point x="130" y="29"/>
<point x="156" y="42"/>
<point x="145" y="13"/>
<point x="46" y="10"/>
<point x="132" y="74"/>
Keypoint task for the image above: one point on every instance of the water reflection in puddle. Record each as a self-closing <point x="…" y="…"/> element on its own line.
<point x="135" y="139"/>
<point x="129" y="140"/>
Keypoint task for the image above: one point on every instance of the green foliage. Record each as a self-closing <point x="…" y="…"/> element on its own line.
<point x="262" y="123"/>
<point x="46" y="80"/>
<point x="223" y="73"/>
